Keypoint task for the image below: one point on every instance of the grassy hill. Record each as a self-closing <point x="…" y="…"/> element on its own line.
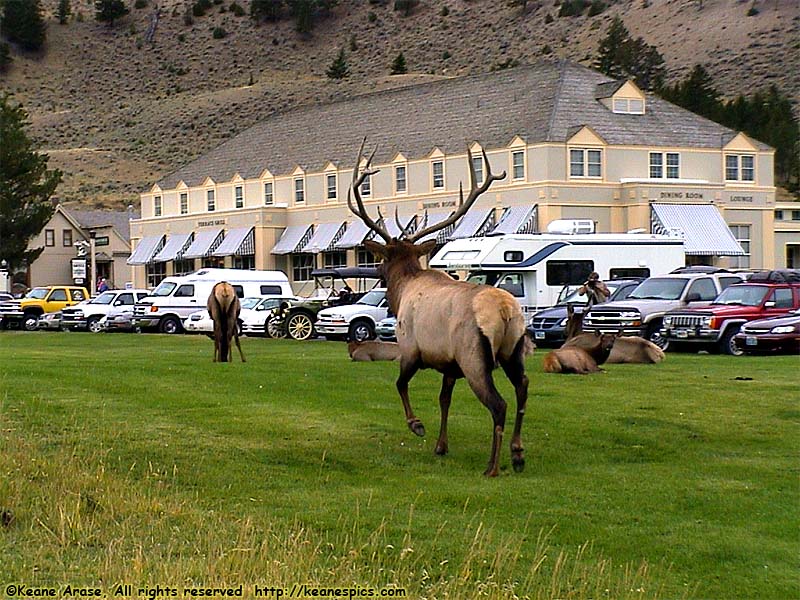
<point x="116" y="112"/>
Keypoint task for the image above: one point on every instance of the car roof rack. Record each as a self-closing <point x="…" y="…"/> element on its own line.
<point x="776" y="276"/>
<point x="699" y="269"/>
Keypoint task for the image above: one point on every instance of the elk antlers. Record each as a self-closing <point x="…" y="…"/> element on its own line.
<point x="463" y="205"/>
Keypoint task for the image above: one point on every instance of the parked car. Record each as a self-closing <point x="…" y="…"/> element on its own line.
<point x="355" y="321"/>
<point x="257" y="317"/>
<point x="296" y="318"/>
<point x="547" y="326"/>
<point x="642" y="312"/>
<point x="118" y="319"/>
<point x="717" y="324"/>
<point x="88" y="313"/>
<point x="385" y="329"/>
<point x="25" y="313"/>
<point x="49" y="321"/>
<point x="771" y="335"/>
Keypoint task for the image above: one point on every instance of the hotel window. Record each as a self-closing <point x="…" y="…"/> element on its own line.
<point x="739" y="167"/>
<point x="157" y="206"/>
<point x="366" y="186"/>
<point x="155" y="273"/>
<point x="796" y="215"/>
<point x="183" y="266"/>
<point x="334" y="260"/>
<point x="299" y="192"/>
<point x="331" y="186"/>
<point x="268" y="199"/>
<point x="302" y="265"/>
<point x="437" y="172"/>
<point x="518" y="164"/>
<point x="628" y="106"/>
<point x="585" y="163"/>
<point x="184" y="203"/>
<point x="49" y="237"/>
<point x="779" y="215"/>
<point x="238" y="192"/>
<point x="247" y="262"/>
<point x="742" y="235"/>
<point x="66" y="237"/>
<point x="400" y="179"/>
<point x="673" y="165"/>
<point x="212" y="201"/>
<point x="477" y="165"/>
<point x="365" y="258"/>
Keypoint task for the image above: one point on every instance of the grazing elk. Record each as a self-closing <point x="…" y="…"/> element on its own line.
<point x="461" y="329"/>
<point x="223" y="306"/>
<point x="593" y="351"/>
<point x="372" y="351"/>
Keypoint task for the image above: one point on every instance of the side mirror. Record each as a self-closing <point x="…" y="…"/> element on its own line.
<point x="117" y="302"/>
<point x="693" y="297"/>
<point x="769" y="304"/>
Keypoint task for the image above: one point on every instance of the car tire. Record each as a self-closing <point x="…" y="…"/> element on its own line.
<point x="654" y="335"/>
<point x="93" y="324"/>
<point x="361" y="331"/>
<point x="300" y="327"/>
<point x="273" y="329"/>
<point x="728" y="345"/>
<point x="170" y="325"/>
<point x="30" y="322"/>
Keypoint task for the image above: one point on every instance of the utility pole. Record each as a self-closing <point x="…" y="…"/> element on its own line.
<point x="93" y="261"/>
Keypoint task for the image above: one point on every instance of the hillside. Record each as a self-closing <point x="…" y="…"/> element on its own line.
<point x="117" y="113"/>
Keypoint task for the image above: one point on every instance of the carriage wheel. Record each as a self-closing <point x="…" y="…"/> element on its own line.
<point x="274" y="328"/>
<point x="300" y="326"/>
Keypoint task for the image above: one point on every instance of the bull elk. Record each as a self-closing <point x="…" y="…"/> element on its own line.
<point x="459" y="328"/>
<point x="224" y="308"/>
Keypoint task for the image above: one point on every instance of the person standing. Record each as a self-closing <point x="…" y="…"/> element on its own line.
<point x="594" y="289"/>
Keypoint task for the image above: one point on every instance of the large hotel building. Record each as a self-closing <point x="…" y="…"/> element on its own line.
<point x="574" y="144"/>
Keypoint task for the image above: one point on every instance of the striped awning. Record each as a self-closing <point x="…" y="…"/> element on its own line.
<point x="324" y="238"/>
<point x="147" y="248"/>
<point x="175" y="247"/>
<point x="702" y="227"/>
<point x="392" y="227"/>
<point x="473" y="224"/>
<point x="516" y="219"/>
<point x="440" y="236"/>
<point x="294" y="237"/>
<point x="205" y="242"/>
<point x="238" y="242"/>
<point x="355" y="235"/>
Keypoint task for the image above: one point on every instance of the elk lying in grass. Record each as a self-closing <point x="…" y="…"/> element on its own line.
<point x="460" y="329"/>
<point x="373" y="351"/>
<point x="593" y="351"/>
<point x="626" y="349"/>
<point x="224" y="308"/>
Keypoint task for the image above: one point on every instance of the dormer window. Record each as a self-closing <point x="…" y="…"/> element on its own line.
<point x="157" y="206"/>
<point x="628" y="106"/>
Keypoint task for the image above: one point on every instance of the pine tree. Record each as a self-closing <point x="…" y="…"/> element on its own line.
<point x="266" y="10"/>
<point x="338" y="68"/>
<point x="109" y="11"/>
<point x="609" y="54"/>
<point x="399" y="65"/>
<point x="23" y="24"/>
<point x="699" y="95"/>
<point x="5" y="57"/>
<point x="303" y="13"/>
<point x="64" y="11"/>
<point x="621" y="57"/>
<point x="26" y="186"/>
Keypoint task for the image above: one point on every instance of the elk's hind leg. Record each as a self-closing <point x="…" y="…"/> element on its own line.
<point x="409" y="368"/>
<point x="445" y="396"/>
<point x="514" y="369"/>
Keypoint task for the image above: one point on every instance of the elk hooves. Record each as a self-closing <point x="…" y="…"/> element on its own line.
<point x="441" y="449"/>
<point x="517" y="460"/>
<point x="491" y="471"/>
<point x="417" y="427"/>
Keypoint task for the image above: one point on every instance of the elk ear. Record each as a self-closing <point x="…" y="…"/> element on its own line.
<point x="425" y="248"/>
<point x="375" y="248"/>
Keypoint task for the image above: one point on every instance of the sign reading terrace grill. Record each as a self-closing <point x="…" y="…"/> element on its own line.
<point x="681" y="195"/>
<point x="211" y="223"/>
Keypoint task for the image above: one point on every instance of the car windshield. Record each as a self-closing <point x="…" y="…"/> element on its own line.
<point x="165" y="289"/>
<point x="372" y="298"/>
<point x="744" y="295"/>
<point x="250" y="302"/>
<point x="37" y="293"/>
<point x="104" y="298"/>
<point x="659" y="288"/>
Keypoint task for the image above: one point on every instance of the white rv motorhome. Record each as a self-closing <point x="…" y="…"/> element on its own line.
<point x="176" y="298"/>
<point x="536" y="268"/>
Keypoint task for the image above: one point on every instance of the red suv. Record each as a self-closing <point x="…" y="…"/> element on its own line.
<point x="768" y="294"/>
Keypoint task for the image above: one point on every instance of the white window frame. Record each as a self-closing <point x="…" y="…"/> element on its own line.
<point x="184" y="202"/>
<point x="238" y="194"/>
<point x="585" y="164"/>
<point x="331" y="191"/>
<point x="269" y="193"/>
<point x="211" y="200"/>
<point x="627" y="106"/>
<point x="437" y="178"/>
<point x="477" y="164"/>
<point x="299" y="192"/>
<point x="664" y="169"/>
<point x="737" y="171"/>
<point x="366" y="187"/>
<point x="514" y="165"/>
<point x="158" y="206"/>
<point x="397" y="179"/>
<point x="742" y="233"/>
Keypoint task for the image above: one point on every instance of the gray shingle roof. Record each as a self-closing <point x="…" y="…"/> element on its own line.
<point x="541" y="102"/>
<point x="119" y="220"/>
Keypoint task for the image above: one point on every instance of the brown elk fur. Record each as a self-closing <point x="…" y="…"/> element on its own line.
<point x="373" y="351"/>
<point x="224" y="308"/>
<point x="580" y="355"/>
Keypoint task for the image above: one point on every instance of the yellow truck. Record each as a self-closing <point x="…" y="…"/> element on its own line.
<point x="25" y="313"/>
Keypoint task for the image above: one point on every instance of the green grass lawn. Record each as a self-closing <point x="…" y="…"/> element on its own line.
<point x="135" y="459"/>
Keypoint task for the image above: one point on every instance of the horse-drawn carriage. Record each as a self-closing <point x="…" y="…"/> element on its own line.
<point x="296" y="319"/>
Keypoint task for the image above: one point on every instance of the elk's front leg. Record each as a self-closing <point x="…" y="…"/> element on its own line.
<point x="445" y="396"/>
<point x="408" y="369"/>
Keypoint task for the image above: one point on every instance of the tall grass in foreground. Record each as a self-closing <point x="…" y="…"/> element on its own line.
<point x="70" y="520"/>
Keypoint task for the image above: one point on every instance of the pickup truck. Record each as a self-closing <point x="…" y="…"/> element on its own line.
<point x="87" y="314"/>
<point x="717" y="324"/>
<point x="25" y="313"/>
<point x="642" y="312"/>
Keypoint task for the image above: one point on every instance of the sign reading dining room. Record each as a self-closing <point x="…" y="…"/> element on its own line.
<point x="681" y="195"/>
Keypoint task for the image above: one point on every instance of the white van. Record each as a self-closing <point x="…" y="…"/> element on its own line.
<point x="176" y="298"/>
<point x="536" y="268"/>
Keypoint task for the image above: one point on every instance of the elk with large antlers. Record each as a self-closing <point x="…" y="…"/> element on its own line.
<point x="459" y="328"/>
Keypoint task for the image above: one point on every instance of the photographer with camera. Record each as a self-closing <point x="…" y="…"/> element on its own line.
<point x="595" y="290"/>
